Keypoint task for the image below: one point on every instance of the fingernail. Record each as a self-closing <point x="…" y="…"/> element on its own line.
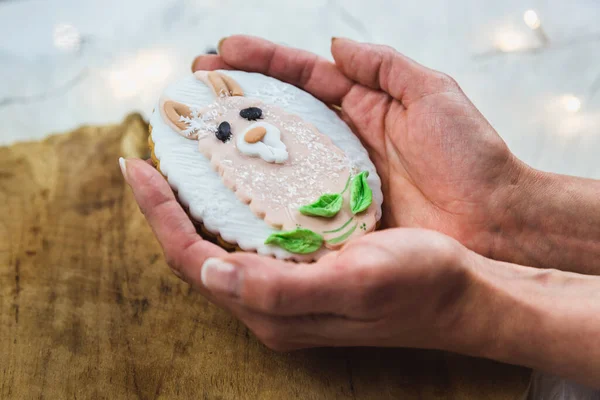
<point x="334" y="38"/>
<point x="220" y="44"/>
<point x="123" y="165"/>
<point x="194" y="63"/>
<point x="220" y="276"/>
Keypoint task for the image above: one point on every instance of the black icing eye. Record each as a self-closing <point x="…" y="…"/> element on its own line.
<point x="223" y="133"/>
<point x="251" y="113"/>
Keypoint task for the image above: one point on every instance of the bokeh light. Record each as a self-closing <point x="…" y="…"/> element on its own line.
<point x="146" y="69"/>
<point x="532" y="20"/>
<point x="66" y="38"/>
<point x="571" y="103"/>
<point x="509" y="40"/>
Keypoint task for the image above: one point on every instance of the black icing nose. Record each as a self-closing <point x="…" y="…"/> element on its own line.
<point x="251" y="113"/>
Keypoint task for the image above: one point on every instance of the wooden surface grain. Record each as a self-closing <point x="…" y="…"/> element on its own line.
<point x="88" y="308"/>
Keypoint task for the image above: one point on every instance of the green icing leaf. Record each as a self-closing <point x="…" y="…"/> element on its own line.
<point x="300" y="241"/>
<point x="361" y="195"/>
<point x="327" y="206"/>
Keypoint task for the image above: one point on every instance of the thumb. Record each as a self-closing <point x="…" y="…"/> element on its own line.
<point x="383" y="68"/>
<point x="184" y="249"/>
<point x="275" y="287"/>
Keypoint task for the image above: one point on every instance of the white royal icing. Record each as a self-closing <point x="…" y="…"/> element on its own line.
<point x="200" y="187"/>
<point x="270" y="148"/>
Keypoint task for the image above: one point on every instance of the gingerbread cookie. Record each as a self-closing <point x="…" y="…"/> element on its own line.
<point x="264" y="165"/>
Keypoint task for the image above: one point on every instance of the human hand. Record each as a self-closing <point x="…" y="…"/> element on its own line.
<point x="442" y="165"/>
<point x="398" y="287"/>
<point x="406" y="287"/>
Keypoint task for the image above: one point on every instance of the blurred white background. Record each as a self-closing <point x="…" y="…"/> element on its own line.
<point x="69" y="62"/>
<point x="535" y="75"/>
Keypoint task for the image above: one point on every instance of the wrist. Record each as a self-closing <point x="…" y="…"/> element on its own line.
<point x="461" y="325"/>
<point x="522" y="199"/>
<point x="542" y="319"/>
<point x="529" y="221"/>
<point x="469" y="331"/>
<point x="549" y="221"/>
<point x="505" y="212"/>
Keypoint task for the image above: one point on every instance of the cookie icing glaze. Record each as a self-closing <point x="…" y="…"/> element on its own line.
<point x="242" y="195"/>
<point x="266" y="144"/>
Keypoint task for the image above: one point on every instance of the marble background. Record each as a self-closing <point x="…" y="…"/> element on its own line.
<point x="64" y="63"/>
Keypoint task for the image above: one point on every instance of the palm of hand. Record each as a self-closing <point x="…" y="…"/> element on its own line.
<point x="438" y="158"/>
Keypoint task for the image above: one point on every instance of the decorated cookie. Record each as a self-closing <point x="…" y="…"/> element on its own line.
<point x="263" y="165"/>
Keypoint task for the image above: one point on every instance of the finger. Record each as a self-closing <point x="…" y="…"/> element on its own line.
<point x="276" y="287"/>
<point x="269" y="286"/>
<point x="287" y="305"/>
<point x="300" y="68"/>
<point x="209" y="62"/>
<point x="184" y="249"/>
<point x="383" y="68"/>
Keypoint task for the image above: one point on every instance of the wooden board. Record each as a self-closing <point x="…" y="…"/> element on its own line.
<point x="88" y="308"/>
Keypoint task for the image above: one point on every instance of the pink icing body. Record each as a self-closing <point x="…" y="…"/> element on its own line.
<point x="274" y="192"/>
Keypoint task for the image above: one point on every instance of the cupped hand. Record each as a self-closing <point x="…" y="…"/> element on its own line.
<point x="442" y="165"/>
<point x="396" y="287"/>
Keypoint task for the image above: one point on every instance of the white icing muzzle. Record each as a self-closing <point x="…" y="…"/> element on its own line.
<point x="270" y="148"/>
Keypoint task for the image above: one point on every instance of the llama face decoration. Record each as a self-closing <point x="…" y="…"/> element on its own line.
<point x="264" y="165"/>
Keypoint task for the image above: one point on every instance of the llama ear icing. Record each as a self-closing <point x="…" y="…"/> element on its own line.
<point x="175" y="114"/>
<point x="223" y="85"/>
